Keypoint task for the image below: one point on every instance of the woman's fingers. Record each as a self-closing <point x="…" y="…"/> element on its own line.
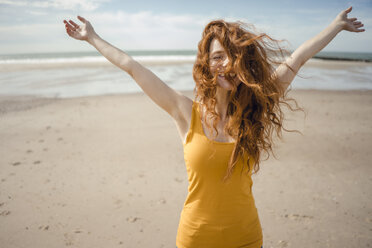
<point x="68" y="25"/>
<point x="81" y="19"/>
<point x="69" y="32"/>
<point x="352" y="19"/>
<point x="358" y="25"/>
<point x="74" y="24"/>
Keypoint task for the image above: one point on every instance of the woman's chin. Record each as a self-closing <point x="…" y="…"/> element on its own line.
<point x="224" y="84"/>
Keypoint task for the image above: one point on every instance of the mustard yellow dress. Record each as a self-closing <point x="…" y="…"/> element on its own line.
<point x="216" y="215"/>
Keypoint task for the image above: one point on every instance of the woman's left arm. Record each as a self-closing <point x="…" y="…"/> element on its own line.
<point x="307" y="50"/>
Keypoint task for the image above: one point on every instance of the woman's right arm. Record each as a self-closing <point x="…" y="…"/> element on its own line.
<point x="172" y="101"/>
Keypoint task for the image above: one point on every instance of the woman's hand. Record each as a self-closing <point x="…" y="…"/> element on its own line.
<point x="349" y="24"/>
<point x="308" y="49"/>
<point x="84" y="31"/>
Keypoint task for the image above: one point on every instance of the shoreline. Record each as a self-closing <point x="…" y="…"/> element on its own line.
<point x="83" y="79"/>
<point x="76" y="63"/>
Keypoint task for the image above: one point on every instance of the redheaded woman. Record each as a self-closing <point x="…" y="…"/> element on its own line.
<point x="241" y="79"/>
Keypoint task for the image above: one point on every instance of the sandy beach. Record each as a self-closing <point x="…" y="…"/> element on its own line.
<point x="108" y="171"/>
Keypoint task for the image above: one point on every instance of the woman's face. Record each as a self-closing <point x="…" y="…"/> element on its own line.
<point x="218" y="60"/>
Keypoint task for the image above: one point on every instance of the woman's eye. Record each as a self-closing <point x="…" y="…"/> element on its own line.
<point x="218" y="57"/>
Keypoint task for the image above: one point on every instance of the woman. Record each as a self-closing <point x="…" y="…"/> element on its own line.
<point x="239" y="88"/>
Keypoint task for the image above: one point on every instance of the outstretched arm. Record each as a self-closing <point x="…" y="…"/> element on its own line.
<point x="307" y="50"/>
<point x="168" y="99"/>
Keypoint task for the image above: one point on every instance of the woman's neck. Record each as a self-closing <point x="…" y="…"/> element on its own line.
<point x="222" y="97"/>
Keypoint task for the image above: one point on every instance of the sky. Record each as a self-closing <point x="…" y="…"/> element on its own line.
<point x="37" y="26"/>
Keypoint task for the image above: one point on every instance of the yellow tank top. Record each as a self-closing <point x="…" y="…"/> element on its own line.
<point x="216" y="215"/>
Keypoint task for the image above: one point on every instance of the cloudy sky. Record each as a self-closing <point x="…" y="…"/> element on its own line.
<point x="37" y="26"/>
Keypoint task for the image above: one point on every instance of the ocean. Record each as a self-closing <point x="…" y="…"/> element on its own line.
<point x="75" y="74"/>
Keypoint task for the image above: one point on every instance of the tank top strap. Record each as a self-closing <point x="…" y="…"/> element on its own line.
<point x="197" y="118"/>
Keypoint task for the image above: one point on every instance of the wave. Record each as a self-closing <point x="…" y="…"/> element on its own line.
<point x="343" y="59"/>
<point x="99" y="59"/>
<point x="152" y="56"/>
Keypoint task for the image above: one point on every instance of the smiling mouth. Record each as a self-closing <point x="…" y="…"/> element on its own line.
<point x="222" y="75"/>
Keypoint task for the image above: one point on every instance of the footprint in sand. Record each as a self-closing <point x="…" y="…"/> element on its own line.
<point x="118" y="203"/>
<point x="69" y="240"/>
<point x="60" y="139"/>
<point x="16" y="163"/>
<point x="48" y="127"/>
<point x="159" y="201"/>
<point x="29" y="151"/>
<point x="178" y="180"/>
<point x="141" y="175"/>
<point x="45" y="228"/>
<point x="132" y="219"/>
<point x="298" y="217"/>
<point x="5" y="213"/>
<point x="37" y="162"/>
<point x="41" y="141"/>
<point x="283" y="243"/>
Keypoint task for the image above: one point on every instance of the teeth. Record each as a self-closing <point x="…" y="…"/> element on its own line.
<point x="223" y="74"/>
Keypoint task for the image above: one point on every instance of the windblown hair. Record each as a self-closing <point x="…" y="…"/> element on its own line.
<point x="254" y="109"/>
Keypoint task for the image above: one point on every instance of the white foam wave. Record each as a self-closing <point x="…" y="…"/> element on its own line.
<point x="98" y="59"/>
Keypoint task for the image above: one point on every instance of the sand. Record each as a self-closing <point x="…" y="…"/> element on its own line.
<point x="108" y="171"/>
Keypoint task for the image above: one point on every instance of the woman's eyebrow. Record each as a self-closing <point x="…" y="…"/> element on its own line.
<point x="220" y="51"/>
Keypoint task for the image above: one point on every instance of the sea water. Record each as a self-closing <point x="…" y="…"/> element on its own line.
<point x="75" y="74"/>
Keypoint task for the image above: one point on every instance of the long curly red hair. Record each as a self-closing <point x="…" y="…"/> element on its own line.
<point x="254" y="109"/>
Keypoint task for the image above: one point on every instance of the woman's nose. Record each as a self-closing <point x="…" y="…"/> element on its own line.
<point x="223" y="65"/>
<point x="225" y="62"/>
